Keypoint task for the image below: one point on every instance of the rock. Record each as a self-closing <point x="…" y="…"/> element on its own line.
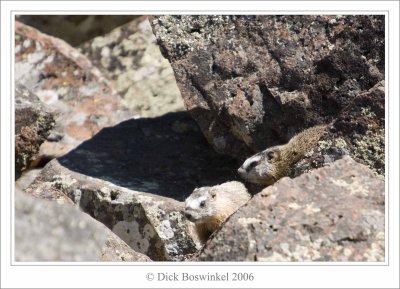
<point x="75" y="29"/>
<point x="336" y="213"/>
<point x="45" y="231"/>
<point x="33" y="123"/>
<point x="117" y="250"/>
<point x="70" y="85"/>
<point x="359" y="131"/>
<point x="26" y="178"/>
<point x="149" y="224"/>
<point x="362" y="125"/>
<point x="252" y="82"/>
<point x="133" y="178"/>
<point x="131" y="60"/>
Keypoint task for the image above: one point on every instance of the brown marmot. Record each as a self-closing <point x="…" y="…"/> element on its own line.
<point x="209" y="207"/>
<point x="270" y="165"/>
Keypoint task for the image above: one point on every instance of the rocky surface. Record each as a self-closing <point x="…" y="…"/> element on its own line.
<point x="75" y="29"/>
<point x="33" y="123"/>
<point x="135" y="184"/>
<point x="249" y="82"/>
<point x="334" y="213"/>
<point x="252" y="82"/>
<point x="83" y="100"/>
<point x="150" y="224"/>
<point x="358" y="131"/>
<point x="45" y="231"/>
<point x="130" y="58"/>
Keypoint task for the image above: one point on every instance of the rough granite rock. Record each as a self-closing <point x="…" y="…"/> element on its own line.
<point x="45" y="231"/>
<point x="135" y="183"/>
<point x="252" y="82"/>
<point x="33" y="123"/>
<point x="149" y="224"/>
<point x="132" y="61"/>
<point x="69" y="84"/>
<point x="75" y="29"/>
<point x="334" y="213"/>
<point x="359" y="131"/>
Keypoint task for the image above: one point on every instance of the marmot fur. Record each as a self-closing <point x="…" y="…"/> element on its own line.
<point x="270" y="165"/>
<point x="209" y="207"/>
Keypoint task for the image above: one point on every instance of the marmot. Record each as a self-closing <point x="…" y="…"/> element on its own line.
<point x="270" y="165"/>
<point x="209" y="207"/>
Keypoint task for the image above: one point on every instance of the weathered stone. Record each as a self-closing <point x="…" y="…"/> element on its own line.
<point x="69" y="84"/>
<point x="26" y="178"/>
<point x="75" y="29"/>
<point x="33" y="123"/>
<point x="133" y="177"/>
<point x="45" y="231"/>
<point x="334" y="213"/>
<point x="117" y="250"/>
<point x="252" y="82"/>
<point x="131" y="60"/>
<point x="358" y="131"/>
<point x="149" y="224"/>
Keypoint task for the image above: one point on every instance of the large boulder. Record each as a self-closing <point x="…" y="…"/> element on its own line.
<point x="130" y="58"/>
<point x="133" y="178"/>
<point x="82" y="99"/>
<point x="33" y="123"/>
<point x="335" y="213"/>
<point x="46" y="231"/>
<point x="252" y="82"/>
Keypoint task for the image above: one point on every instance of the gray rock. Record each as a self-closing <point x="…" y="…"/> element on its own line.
<point x="334" y="213"/>
<point x="45" y="231"/>
<point x="149" y="224"/>
<point x="131" y="60"/>
<point x="252" y="82"/>
<point x="33" y="123"/>
<point x="26" y="178"/>
<point x="76" y="92"/>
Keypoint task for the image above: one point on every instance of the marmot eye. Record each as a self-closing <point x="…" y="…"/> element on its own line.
<point x="270" y="155"/>
<point x="252" y="164"/>
<point x="202" y="204"/>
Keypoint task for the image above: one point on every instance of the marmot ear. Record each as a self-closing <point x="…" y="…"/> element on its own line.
<point x="271" y="155"/>
<point x="213" y="194"/>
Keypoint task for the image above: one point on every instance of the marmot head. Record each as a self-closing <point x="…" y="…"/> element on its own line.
<point x="199" y="205"/>
<point x="264" y="167"/>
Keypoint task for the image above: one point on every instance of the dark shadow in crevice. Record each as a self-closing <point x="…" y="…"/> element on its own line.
<point x="166" y="156"/>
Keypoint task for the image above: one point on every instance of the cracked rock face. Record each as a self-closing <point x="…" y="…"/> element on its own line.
<point x="334" y="213"/>
<point x="46" y="231"/>
<point x="33" y="123"/>
<point x="252" y="82"/>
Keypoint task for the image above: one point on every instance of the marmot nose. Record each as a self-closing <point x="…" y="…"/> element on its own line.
<point x="241" y="171"/>
<point x="188" y="216"/>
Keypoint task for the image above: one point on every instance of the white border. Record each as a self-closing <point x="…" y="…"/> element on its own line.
<point x="274" y="275"/>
